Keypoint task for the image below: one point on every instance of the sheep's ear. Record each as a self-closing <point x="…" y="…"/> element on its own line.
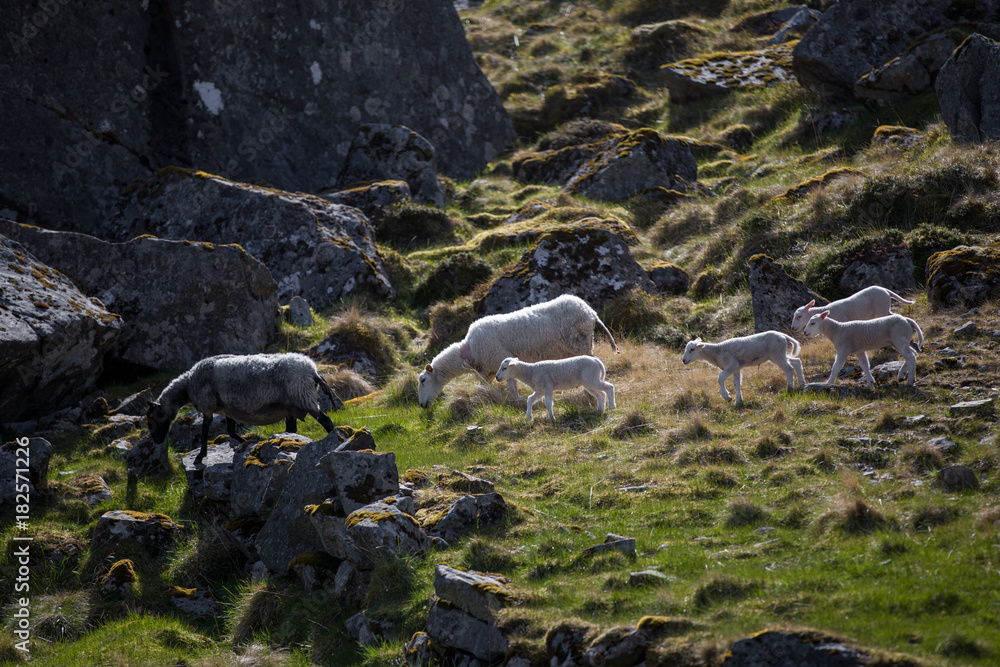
<point x="465" y="351"/>
<point x="428" y="368"/>
<point x="700" y="345"/>
<point x="811" y="303"/>
<point x="823" y="315"/>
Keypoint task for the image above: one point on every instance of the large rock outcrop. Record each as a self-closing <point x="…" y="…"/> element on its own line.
<point x="968" y="91"/>
<point x="855" y="36"/>
<point x="257" y="91"/>
<point x="589" y="262"/>
<point x="179" y="301"/>
<point x="313" y="248"/>
<point x="616" y="168"/>
<point x="52" y="337"/>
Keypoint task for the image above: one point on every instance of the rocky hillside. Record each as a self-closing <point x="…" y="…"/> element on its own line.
<point x="360" y="184"/>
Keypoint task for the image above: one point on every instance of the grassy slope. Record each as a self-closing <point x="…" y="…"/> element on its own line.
<point x="863" y="544"/>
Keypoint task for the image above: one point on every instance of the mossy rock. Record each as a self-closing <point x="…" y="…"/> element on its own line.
<point x="697" y="78"/>
<point x="964" y="277"/>
<point x="895" y="135"/>
<point x="652" y="44"/>
<point x="592" y="263"/>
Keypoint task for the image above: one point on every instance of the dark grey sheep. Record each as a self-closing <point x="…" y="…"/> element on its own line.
<point x="253" y="389"/>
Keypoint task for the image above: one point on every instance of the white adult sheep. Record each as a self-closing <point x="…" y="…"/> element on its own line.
<point x="563" y="327"/>
<point x="736" y="353"/>
<point x="869" y="303"/>
<point x="859" y="337"/>
<point x="254" y="389"/>
<point x="546" y="377"/>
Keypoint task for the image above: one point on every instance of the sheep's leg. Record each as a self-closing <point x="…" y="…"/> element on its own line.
<point x="599" y="395"/>
<point x="797" y="365"/>
<point x="782" y="363"/>
<point x="838" y="363"/>
<point x="206" y="423"/>
<point x="548" y="404"/>
<point x="910" y="365"/>
<point x="290" y="424"/>
<point x="531" y="401"/>
<point x="609" y="389"/>
<point x="723" y="376"/>
<point x="737" y="380"/>
<point x="866" y="369"/>
<point x="231" y="430"/>
<point x="323" y="420"/>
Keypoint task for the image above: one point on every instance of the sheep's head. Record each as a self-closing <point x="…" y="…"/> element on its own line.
<point x="504" y="371"/>
<point x="158" y="419"/>
<point x="691" y="350"/>
<point x="428" y="386"/>
<point x="812" y="328"/>
<point x="801" y="316"/>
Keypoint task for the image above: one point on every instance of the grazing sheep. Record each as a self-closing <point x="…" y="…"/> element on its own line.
<point x="545" y="377"/>
<point x="254" y="389"/>
<point x="563" y="327"/>
<point x="859" y="337"/>
<point x="736" y="353"/>
<point x="867" y="304"/>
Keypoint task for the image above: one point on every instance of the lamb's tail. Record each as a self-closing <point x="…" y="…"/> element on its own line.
<point x="897" y="297"/>
<point x="796" y="345"/>
<point x="920" y="334"/>
<point x="607" y="333"/>
<point x="321" y="383"/>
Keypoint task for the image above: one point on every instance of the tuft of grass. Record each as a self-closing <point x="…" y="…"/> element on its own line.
<point x="724" y="589"/>
<point x="744" y="512"/>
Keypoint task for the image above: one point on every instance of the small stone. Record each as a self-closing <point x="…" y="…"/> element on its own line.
<point x="983" y="408"/>
<point x="300" y="315"/>
<point x="967" y="329"/>
<point x="942" y="444"/>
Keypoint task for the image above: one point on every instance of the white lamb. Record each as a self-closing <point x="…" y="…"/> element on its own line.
<point x="546" y="377"/>
<point x="859" y="337"/>
<point x="563" y="327"/>
<point x="736" y="353"/>
<point x="869" y="303"/>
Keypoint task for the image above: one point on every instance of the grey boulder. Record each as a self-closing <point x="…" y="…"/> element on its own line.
<point x="591" y="263"/>
<point x="968" y="91"/>
<point x="313" y="248"/>
<point x="180" y="301"/>
<point x="383" y="152"/>
<point x="53" y="339"/>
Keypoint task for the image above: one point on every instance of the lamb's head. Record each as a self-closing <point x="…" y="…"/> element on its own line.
<point x="503" y="373"/>
<point x="801" y="316"/>
<point x="158" y="418"/>
<point x="428" y="386"/>
<point x="691" y="350"/>
<point x="812" y="327"/>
